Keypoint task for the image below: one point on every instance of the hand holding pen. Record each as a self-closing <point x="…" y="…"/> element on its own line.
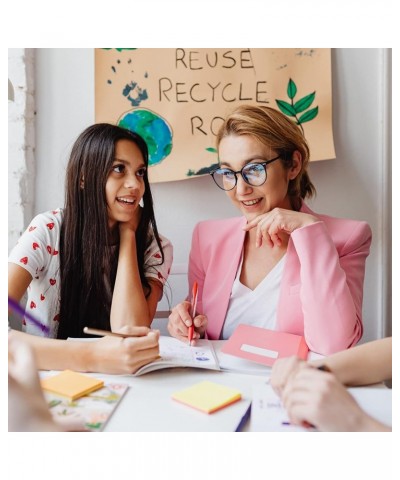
<point x="183" y="323"/>
<point x="193" y="311"/>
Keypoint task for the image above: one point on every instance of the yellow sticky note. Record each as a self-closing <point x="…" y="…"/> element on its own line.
<point x="71" y="384"/>
<point x="207" y="396"/>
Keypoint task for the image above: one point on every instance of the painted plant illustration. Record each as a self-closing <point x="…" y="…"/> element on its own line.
<point x="293" y="109"/>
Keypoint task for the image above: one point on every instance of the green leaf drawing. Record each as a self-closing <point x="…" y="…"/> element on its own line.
<point x="211" y="149"/>
<point x="304" y="103"/>
<point x="286" y="108"/>
<point x="291" y="89"/>
<point x="306" y="117"/>
<point x="293" y="108"/>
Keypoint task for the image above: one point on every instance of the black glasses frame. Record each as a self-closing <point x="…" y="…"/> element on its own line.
<point x="264" y="164"/>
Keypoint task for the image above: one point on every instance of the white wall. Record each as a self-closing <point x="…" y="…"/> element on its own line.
<point x="356" y="184"/>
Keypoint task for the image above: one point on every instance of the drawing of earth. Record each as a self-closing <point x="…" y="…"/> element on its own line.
<point x="153" y="129"/>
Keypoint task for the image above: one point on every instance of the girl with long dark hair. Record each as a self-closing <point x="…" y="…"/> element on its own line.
<point x="98" y="262"/>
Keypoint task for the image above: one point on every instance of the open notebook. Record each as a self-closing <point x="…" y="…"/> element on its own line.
<point x="175" y="353"/>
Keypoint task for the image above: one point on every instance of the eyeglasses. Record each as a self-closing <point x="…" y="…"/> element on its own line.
<point x="254" y="174"/>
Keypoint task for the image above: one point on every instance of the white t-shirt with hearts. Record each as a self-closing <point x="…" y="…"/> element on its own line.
<point x="37" y="251"/>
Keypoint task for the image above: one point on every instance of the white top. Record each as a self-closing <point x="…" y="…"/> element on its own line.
<point x="254" y="307"/>
<point x="37" y="251"/>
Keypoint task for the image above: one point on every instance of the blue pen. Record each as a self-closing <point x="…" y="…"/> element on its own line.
<point x="18" y="309"/>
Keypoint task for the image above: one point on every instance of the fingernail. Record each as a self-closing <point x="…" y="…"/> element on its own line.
<point x="188" y="323"/>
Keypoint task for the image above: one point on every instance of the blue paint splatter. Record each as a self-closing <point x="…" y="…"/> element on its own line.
<point x="134" y="94"/>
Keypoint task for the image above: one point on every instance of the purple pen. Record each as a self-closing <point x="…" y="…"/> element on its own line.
<point x="16" y="307"/>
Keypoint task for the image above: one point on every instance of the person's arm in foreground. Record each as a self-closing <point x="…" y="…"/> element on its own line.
<point x="106" y="355"/>
<point x="362" y="365"/>
<point x="320" y="398"/>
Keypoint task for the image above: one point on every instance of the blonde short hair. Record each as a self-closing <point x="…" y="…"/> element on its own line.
<point x="278" y="132"/>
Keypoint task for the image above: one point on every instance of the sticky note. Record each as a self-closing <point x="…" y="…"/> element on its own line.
<point x="71" y="384"/>
<point x="207" y="396"/>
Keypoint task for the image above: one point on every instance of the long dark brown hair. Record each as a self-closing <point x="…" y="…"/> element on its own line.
<point x="88" y="264"/>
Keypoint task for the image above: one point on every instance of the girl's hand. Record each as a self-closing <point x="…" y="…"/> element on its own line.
<point x="270" y="225"/>
<point x="180" y="320"/>
<point x="133" y="223"/>
<point x="124" y="355"/>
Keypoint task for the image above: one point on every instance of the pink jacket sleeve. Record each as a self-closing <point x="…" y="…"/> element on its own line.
<point x="332" y="279"/>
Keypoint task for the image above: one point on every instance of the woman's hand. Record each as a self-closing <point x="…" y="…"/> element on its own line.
<point x="180" y="320"/>
<point x="282" y="370"/>
<point x="124" y="355"/>
<point x="270" y="225"/>
<point x="318" y="398"/>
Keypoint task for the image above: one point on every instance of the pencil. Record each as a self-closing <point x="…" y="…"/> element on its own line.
<point x="14" y="305"/>
<point x="104" y="333"/>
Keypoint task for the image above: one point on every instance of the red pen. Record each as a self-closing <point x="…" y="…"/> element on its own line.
<point x="193" y="309"/>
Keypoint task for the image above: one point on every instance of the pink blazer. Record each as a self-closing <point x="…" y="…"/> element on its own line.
<point x="322" y="285"/>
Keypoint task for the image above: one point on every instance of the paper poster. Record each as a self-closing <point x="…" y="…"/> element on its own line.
<point x="177" y="98"/>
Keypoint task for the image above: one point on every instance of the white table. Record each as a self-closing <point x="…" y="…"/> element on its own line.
<point x="148" y="406"/>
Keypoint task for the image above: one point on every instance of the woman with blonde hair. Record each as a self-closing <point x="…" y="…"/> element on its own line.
<point x="280" y="265"/>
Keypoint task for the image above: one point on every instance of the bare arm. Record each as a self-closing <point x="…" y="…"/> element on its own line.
<point x="129" y="305"/>
<point x="107" y="355"/>
<point x="362" y="365"/>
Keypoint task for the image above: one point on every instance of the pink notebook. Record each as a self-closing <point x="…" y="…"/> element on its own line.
<point x="264" y="346"/>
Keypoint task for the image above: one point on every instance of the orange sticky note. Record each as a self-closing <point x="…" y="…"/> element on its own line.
<point x="207" y="396"/>
<point x="71" y="384"/>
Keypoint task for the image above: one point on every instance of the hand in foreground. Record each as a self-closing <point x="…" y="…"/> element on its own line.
<point x="318" y="398"/>
<point x="272" y="224"/>
<point x="124" y="355"/>
<point x="180" y="320"/>
<point x="281" y="371"/>
<point x="27" y="408"/>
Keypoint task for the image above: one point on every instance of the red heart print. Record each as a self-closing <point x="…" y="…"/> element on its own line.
<point x="55" y="252"/>
<point x="48" y="248"/>
<point x="160" y="276"/>
<point x="33" y="304"/>
<point x="50" y="226"/>
<point x="54" y="212"/>
<point x="24" y="260"/>
<point x="42" y="297"/>
<point x="31" y="228"/>
<point x="23" y="321"/>
<point x="56" y="318"/>
<point x="35" y="245"/>
<point x="157" y="255"/>
<point x="52" y="281"/>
